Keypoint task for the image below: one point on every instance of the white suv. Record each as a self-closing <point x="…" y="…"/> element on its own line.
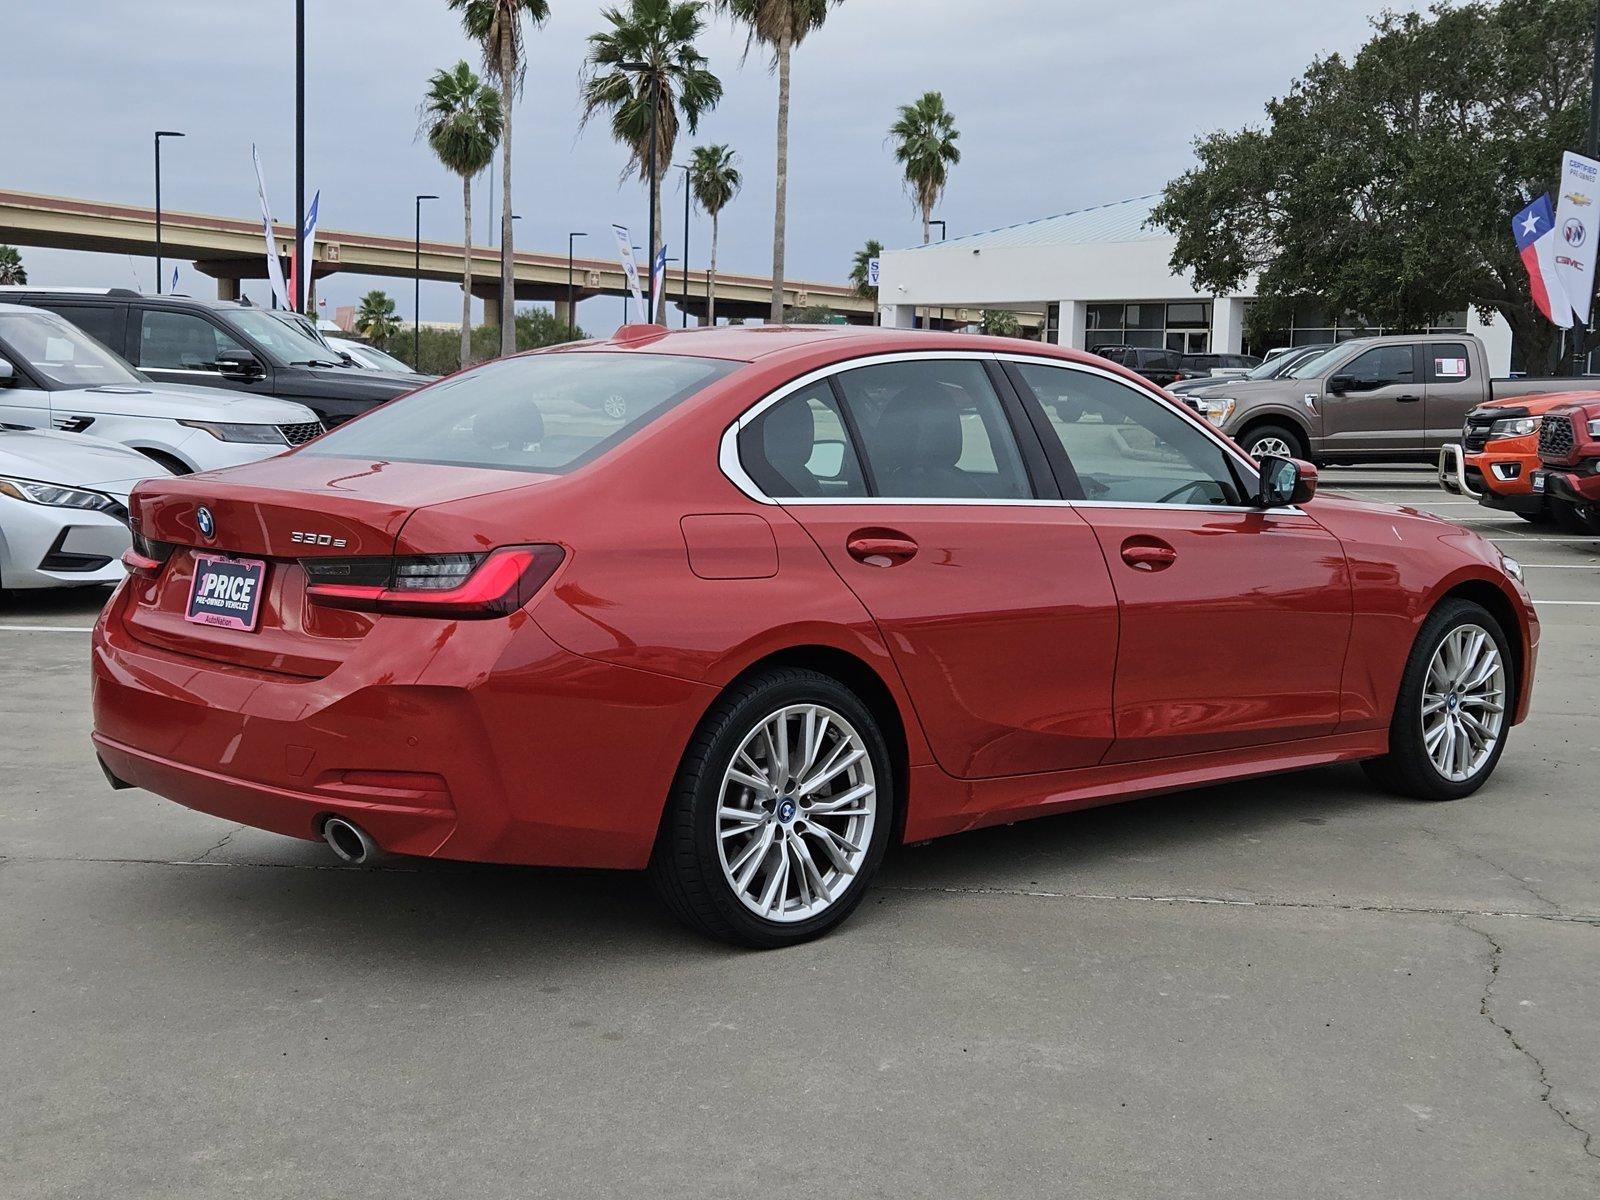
<point x="55" y="376"/>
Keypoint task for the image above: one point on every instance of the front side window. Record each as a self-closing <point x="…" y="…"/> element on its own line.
<point x="1381" y="367"/>
<point x="179" y="341"/>
<point x="1128" y="447"/>
<point x="801" y="449"/>
<point x="934" y="430"/>
<point x="545" y="412"/>
<point x="61" y="352"/>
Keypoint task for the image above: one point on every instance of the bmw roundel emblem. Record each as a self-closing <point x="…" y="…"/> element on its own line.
<point x="207" y="523"/>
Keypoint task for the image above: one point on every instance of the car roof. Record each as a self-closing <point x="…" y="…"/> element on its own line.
<point x="122" y="295"/>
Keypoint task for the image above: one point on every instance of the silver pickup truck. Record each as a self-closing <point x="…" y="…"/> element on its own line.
<point x="1398" y="398"/>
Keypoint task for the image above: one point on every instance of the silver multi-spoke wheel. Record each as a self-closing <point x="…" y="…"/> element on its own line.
<point x="1463" y="703"/>
<point x="1270" y="447"/>
<point x="796" y="812"/>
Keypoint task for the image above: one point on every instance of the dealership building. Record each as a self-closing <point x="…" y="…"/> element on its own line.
<point x="1101" y="277"/>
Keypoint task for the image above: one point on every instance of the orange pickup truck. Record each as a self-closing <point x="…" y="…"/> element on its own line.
<point x="1498" y="453"/>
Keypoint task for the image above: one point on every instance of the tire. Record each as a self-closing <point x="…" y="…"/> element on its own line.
<point x="702" y="855"/>
<point x="1258" y="441"/>
<point x="1571" y="518"/>
<point x="1541" y="518"/>
<point x="1410" y="768"/>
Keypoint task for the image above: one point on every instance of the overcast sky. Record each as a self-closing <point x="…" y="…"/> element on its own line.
<point x="1061" y="104"/>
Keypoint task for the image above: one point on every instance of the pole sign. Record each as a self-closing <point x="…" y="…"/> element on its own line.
<point x="1576" y="232"/>
<point x="631" y="270"/>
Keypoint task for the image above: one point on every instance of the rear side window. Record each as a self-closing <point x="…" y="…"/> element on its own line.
<point x="546" y="412"/>
<point x="103" y="322"/>
<point x="1447" y="362"/>
<point x="800" y="448"/>
<point x="934" y="430"/>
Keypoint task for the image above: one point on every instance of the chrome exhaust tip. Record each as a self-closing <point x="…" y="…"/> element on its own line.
<point x="349" y="841"/>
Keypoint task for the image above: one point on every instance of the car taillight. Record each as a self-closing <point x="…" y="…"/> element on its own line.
<point x="434" y="585"/>
<point x="146" y="557"/>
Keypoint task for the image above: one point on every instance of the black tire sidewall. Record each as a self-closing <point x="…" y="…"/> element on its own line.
<point x="1296" y="444"/>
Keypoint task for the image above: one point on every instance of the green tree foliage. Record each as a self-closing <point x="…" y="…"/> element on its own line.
<point x="674" y="83"/>
<point x="497" y="27"/>
<point x="377" y="320"/>
<point x="781" y="25"/>
<point x="999" y="323"/>
<point x="924" y="138"/>
<point x="462" y="120"/>
<point x="1382" y="187"/>
<point x="441" y="348"/>
<point x="715" y="178"/>
<point x="860" y="266"/>
<point x="11" y="269"/>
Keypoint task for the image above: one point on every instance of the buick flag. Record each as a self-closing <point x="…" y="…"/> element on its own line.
<point x="1575" y="231"/>
<point x="1535" y="229"/>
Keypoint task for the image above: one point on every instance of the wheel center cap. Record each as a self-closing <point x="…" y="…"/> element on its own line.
<point x="1452" y="702"/>
<point x="786" y="810"/>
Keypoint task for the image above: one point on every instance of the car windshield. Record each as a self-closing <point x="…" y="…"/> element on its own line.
<point x="542" y="412"/>
<point x="61" y="352"/>
<point x="373" y="357"/>
<point x="1317" y="365"/>
<point x="1273" y="367"/>
<point x="289" y="337"/>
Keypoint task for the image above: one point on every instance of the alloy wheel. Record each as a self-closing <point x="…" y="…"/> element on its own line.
<point x="1463" y="703"/>
<point x="1271" y="447"/>
<point x="796" y="813"/>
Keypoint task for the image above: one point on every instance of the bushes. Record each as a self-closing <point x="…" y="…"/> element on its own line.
<point x="441" y="348"/>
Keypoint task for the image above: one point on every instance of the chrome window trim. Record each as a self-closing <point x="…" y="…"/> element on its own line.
<point x="733" y="469"/>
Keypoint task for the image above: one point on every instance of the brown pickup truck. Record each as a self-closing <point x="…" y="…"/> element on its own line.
<point x="1399" y="398"/>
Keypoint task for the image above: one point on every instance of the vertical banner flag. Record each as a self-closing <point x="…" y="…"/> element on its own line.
<point x="1580" y="183"/>
<point x="630" y="269"/>
<point x="658" y="273"/>
<point x="310" y="238"/>
<point x="1535" y="229"/>
<point x="174" y="288"/>
<point x="274" y="267"/>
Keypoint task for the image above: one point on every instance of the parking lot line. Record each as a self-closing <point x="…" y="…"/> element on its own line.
<point x="46" y="628"/>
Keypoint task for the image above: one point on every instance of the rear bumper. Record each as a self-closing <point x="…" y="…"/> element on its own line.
<point x="496" y="746"/>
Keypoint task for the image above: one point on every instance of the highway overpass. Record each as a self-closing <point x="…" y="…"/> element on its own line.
<point x="229" y="250"/>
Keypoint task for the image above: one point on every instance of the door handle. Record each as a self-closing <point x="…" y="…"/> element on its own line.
<point x="880" y="547"/>
<point x="1407" y="399"/>
<point x="1148" y="554"/>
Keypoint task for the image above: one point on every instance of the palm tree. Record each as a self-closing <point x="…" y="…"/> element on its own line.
<point x="999" y="323"/>
<point x="11" y="269"/>
<point x="377" y="320"/>
<point x="461" y="118"/>
<point x="783" y="25"/>
<point x="861" y="266"/>
<point x="925" y="144"/>
<point x="496" y="25"/>
<point x="716" y="181"/>
<point x="649" y="51"/>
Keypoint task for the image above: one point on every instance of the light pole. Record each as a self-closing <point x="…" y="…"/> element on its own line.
<point x="572" y="312"/>
<point x="642" y="69"/>
<point x="416" y="323"/>
<point x="160" y="133"/>
<point x="302" y="271"/>
<point x="688" y="195"/>
<point x="940" y="224"/>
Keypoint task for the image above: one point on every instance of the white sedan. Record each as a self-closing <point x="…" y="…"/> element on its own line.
<point x="368" y="358"/>
<point x="64" y="507"/>
<point x="55" y="376"/>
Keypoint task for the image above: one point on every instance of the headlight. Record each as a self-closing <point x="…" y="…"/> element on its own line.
<point x="258" y="434"/>
<point x="1216" y="409"/>
<point x="1515" y="427"/>
<point x="1512" y="566"/>
<point x="55" y="496"/>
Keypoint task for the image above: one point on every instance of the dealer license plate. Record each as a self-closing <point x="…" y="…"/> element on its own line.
<point x="1536" y="481"/>
<point x="226" y="591"/>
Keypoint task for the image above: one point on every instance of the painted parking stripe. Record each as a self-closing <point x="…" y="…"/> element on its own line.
<point x="46" y="629"/>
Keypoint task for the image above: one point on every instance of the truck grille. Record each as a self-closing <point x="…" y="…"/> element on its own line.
<point x="1475" y="433"/>
<point x="299" y="435"/>
<point x="1555" y="438"/>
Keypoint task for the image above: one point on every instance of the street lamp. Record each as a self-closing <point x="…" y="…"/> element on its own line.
<point x="416" y="325"/>
<point x="940" y="224"/>
<point x="688" y="195"/>
<point x="160" y="133"/>
<point x="642" y="69"/>
<point x="572" y="312"/>
<point x="302" y="269"/>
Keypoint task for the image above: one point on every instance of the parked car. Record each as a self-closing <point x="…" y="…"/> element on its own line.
<point x="218" y="343"/>
<point x="369" y="358"/>
<point x="788" y="610"/>
<point x="1495" y="461"/>
<point x="1163" y="367"/>
<point x="64" y="508"/>
<point x="1270" y="368"/>
<point x="53" y="375"/>
<point x="1397" y="398"/>
<point x="1219" y="366"/>
<point x="1569" y="461"/>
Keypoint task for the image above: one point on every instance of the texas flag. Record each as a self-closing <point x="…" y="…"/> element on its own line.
<point x="1535" y="228"/>
<point x="658" y="273"/>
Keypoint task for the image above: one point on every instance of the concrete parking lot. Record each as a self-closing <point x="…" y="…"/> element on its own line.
<point x="1292" y="987"/>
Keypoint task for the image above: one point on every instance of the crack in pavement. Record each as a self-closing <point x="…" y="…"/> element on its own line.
<point x="1487" y="861"/>
<point x="1486" y="1011"/>
<point x="1591" y="919"/>
<point x="226" y="838"/>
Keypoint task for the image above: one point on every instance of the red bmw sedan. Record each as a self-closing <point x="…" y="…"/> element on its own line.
<point x="743" y="606"/>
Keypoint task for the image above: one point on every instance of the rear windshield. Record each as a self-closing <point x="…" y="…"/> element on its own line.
<point x="545" y="412"/>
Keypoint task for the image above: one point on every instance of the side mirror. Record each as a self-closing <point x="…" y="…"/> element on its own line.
<point x="240" y="364"/>
<point x="8" y="373"/>
<point x="1340" y="384"/>
<point x="1285" y="481"/>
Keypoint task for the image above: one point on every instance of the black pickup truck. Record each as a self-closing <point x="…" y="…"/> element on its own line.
<point x="219" y="343"/>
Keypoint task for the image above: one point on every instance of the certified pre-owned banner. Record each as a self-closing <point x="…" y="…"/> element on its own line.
<point x="1576" y="231"/>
